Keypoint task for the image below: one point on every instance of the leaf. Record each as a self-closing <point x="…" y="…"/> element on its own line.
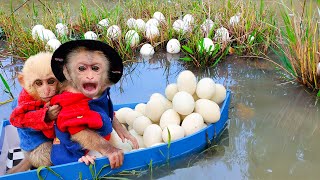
<point x="169" y="138"/>
<point x="187" y="59"/>
<point x="186" y="48"/>
<point x="103" y="167"/>
<point x="5" y="83"/>
<point x="318" y="94"/>
<point x="49" y="169"/>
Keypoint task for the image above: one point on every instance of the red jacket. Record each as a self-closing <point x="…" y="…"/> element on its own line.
<point x="75" y="114"/>
<point x="31" y="113"/>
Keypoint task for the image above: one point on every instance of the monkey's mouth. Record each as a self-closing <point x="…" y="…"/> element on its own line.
<point x="89" y="87"/>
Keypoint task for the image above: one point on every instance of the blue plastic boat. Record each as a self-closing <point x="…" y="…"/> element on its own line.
<point x="135" y="160"/>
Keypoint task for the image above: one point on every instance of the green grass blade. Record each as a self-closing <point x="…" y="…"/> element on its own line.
<point x="186" y="48"/>
<point x="49" y="169"/>
<point x="5" y="83"/>
<point x="186" y="59"/>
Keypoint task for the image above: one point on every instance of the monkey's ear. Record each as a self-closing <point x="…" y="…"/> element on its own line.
<point x="66" y="73"/>
<point x="21" y="79"/>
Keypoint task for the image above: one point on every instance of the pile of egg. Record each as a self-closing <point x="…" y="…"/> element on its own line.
<point x="187" y="107"/>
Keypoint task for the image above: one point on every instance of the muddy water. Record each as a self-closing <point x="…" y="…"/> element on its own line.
<point x="273" y="130"/>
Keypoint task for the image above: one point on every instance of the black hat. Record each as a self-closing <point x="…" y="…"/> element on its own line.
<point x="60" y="54"/>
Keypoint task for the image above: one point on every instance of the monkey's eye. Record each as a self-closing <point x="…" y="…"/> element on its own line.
<point x="51" y="81"/>
<point x="38" y="82"/>
<point x="95" y="68"/>
<point x="81" y="68"/>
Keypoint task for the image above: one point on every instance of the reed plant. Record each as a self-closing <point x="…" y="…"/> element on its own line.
<point x="299" y="43"/>
<point x="255" y="21"/>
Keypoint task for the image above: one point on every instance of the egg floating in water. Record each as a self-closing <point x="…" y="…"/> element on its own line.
<point x="52" y="44"/>
<point x="173" y="46"/>
<point x="152" y="32"/>
<point x="91" y="35"/>
<point x="103" y="24"/>
<point x="176" y="132"/>
<point x="183" y="103"/>
<point x="113" y="32"/>
<point x="222" y="34"/>
<point x="147" y="50"/>
<point x="187" y="82"/>
<point x="192" y="123"/>
<point x="152" y="135"/>
<point x="132" y="38"/>
<point x="209" y="110"/>
<point x="122" y="113"/>
<point x="141" y="107"/>
<point x="46" y="35"/>
<point x="170" y="116"/>
<point x="220" y="94"/>
<point x="131" y="116"/>
<point x="138" y="137"/>
<point x="131" y="23"/>
<point x="152" y="22"/>
<point x="171" y="90"/>
<point x="207" y="45"/>
<point x="205" y="88"/>
<point x="61" y="29"/>
<point x="159" y="16"/>
<point x="36" y="30"/>
<point x="140" y="124"/>
<point x="140" y="25"/>
<point x="234" y="20"/>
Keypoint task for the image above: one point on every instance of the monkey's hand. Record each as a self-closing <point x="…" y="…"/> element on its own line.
<point x="123" y="133"/>
<point x="87" y="159"/>
<point x="114" y="155"/>
<point x="52" y="113"/>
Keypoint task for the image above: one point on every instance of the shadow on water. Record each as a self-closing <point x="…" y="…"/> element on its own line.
<point x="273" y="128"/>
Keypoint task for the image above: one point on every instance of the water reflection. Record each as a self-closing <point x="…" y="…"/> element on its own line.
<point x="273" y="129"/>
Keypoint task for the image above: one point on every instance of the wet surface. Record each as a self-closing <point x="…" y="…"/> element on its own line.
<point x="273" y="129"/>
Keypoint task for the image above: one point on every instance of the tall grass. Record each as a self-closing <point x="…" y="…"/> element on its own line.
<point x="299" y="43"/>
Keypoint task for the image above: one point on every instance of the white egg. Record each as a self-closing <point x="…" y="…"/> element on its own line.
<point x="220" y="94"/>
<point x="46" y="35"/>
<point x="114" y="32"/>
<point x="147" y="50"/>
<point x="170" y="116"/>
<point x="206" y="27"/>
<point x="131" y="116"/>
<point x="132" y="38"/>
<point x="318" y="69"/>
<point x="159" y="16"/>
<point x="61" y="29"/>
<point x="140" y="124"/>
<point x="171" y="90"/>
<point x="251" y="38"/>
<point x="222" y="34"/>
<point x="166" y="103"/>
<point x="138" y="137"/>
<point x="176" y="132"/>
<point x="157" y="144"/>
<point x="178" y="25"/>
<point x="152" y="32"/>
<point x="205" y="88"/>
<point x="173" y="46"/>
<point x="52" y="44"/>
<point x="192" y="123"/>
<point x="207" y="46"/>
<point x="187" y="81"/>
<point x="36" y="29"/>
<point x="116" y="141"/>
<point x="152" y="135"/>
<point x="154" y="109"/>
<point x="209" y="110"/>
<point x="152" y="22"/>
<point x="183" y="103"/>
<point x="141" y="107"/>
<point x="140" y="25"/>
<point x="234" y="20"/>
<point x="131" y="23"/>
<point x="188" y="19"/>
<point x="103" y="24"/>
<point x="90" y="35"/>
<point x="122" y="113"/>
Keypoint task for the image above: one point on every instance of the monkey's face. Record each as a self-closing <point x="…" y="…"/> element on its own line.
<point x="88" y="73"/>
<point x="46" y="87"/>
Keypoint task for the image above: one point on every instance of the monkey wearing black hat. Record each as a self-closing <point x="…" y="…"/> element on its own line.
<point x="89" y="67"/>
